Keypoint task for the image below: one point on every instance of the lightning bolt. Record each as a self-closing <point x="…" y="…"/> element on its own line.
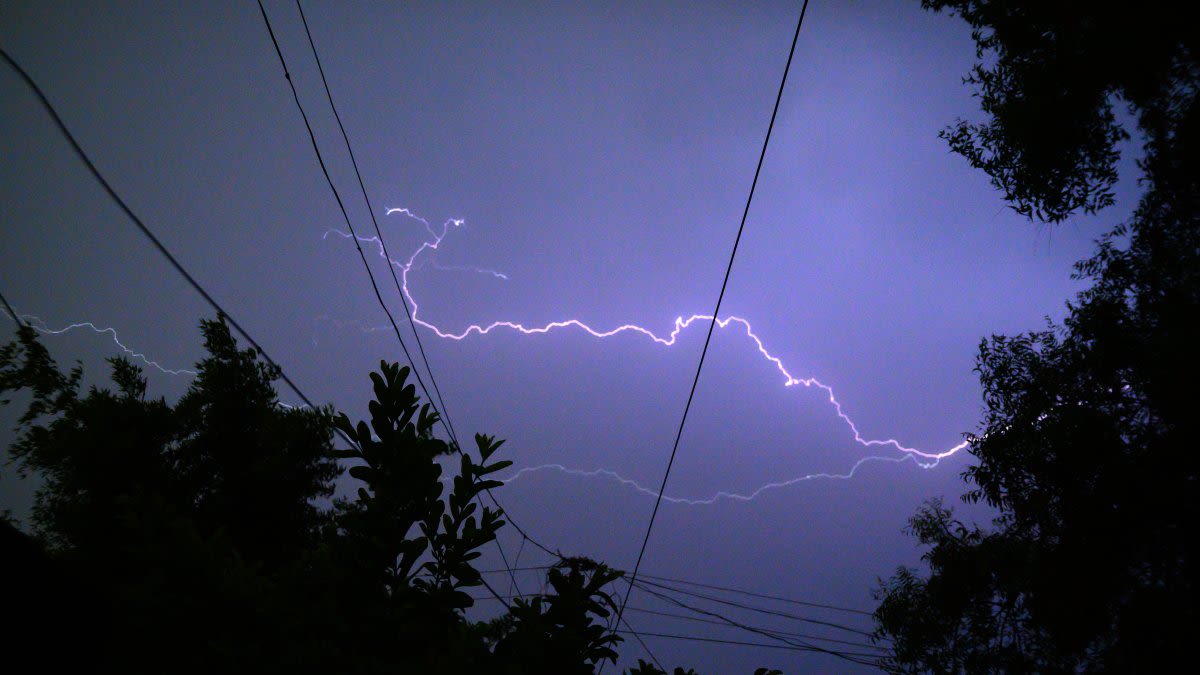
<point x="41" y="327"/>
<point x="722" y="494"/>
<point x="922" y="458"/>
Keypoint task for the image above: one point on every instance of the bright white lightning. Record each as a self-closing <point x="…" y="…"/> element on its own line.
<point x="413" y="262"/>
<point x="41" y="327"/>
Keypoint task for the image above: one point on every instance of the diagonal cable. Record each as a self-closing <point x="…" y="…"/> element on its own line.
<point x="145" y="230"/>
<point x="716" y="312"/>
<point x="378" y="232"/>
<point x="444" y="419"/>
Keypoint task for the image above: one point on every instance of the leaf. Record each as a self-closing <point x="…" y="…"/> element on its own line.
<point x="342" y="422"/>
<point x="364" y="473"/>
<point x="482" y="470"/>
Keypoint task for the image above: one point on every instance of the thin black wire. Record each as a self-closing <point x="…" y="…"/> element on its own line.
<point x="646" y="647"/>
<point x="448" y="423"/>
<point x="8" y="308"/>
<point x="146" y="230"/>
<point x="714" y="587"/>
<point x="806" y="646"/>
<point x="716" y="312"/>
<point x="516" y="561"/>
<point x="346" y="216"/>
<point x="787" y="633"/>
<point x="378" y="232"/>
<point x="855" y="657"/>
<point x="764" y="596"/>
<point x="794" y="617"/>
<point x="699" y="619"/>
<point x="325" y="170"/>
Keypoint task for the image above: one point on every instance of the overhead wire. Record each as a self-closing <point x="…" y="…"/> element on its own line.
<point x="807" y="646"/>
<point x="145" y="229"/>
<point x="158" y="245"/>
<point x="390" y="264"/>
<point x="395" y="280"/>
<point x="854" y="657"/>
<point x="701" y="619"/>
<point x="773" y="633"/>
<point x="378" y="232"/>
<point x="370" y="275"/>
<point x="345" y="215"/>
<point x="642" y="585"/>
<point x="764" y="596"/>
<point x="645" y="647"/>
<point x="728" y="589"/>
<point x="408" y="313"/>
<point x="11" y="312"/>
<point x="716" y="312"/>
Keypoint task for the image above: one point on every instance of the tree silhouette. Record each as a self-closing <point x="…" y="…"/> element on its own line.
<point x="1049" y="75"/>
<point x="1087" y="445"/>
<point x="203" y="536"/>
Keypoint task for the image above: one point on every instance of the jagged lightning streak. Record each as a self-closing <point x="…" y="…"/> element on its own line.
<point x="721" y="494"/>
<point x="921" y="458"/>
<point x="40" y="326"/>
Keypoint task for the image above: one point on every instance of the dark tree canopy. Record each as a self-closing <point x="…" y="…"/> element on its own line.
<point x="204" y="537"/>
<point x="1088" y="443"/>
<point x="1049" y="75"/>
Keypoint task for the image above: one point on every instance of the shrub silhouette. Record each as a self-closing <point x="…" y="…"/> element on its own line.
<point x="204" y="536"/>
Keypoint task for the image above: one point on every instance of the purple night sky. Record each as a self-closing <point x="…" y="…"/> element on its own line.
<point x="599" y="158"/>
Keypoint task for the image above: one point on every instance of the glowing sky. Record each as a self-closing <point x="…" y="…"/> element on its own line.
<point x="598" y="158"/>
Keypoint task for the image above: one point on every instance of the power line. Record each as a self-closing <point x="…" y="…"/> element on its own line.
<point x="346" y="216"/>
<point x="764" y="596"/>
<point x="805" y="646"/>
<point x="378" y="232"/>
<point x="516" y="561"/>
<point x="444" y="419"/>
<point x="447" y="422"/>
<point x="646" y="647"/>
<point x="641" y="584"/>
<point x="714" y="587"/>
<point x="716" y="312"/>
<point x="700" y="619"/>
<point x="775" y="634"/>
<point x="8" y="308"/>
<point x="855" y="657"/>
<point x="145" y="230"/>
<point x="408" y="313"/>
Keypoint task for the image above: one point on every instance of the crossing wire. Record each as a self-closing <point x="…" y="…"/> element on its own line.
<point x="388" y="258"/>
<point x="166" y="253"/>
<point x="716" y="313"/>
<point x="804" y="646"/>
<point x="378" y="232"/>
<point x="854" y="657"/>
<point x="443" y="418"/>
<point x="727" y="589"/>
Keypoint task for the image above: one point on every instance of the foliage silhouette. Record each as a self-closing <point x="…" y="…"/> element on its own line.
<point x="204" y="536"/>
<point x="1048" y="77"/>
<point x="1087" y="450"/>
